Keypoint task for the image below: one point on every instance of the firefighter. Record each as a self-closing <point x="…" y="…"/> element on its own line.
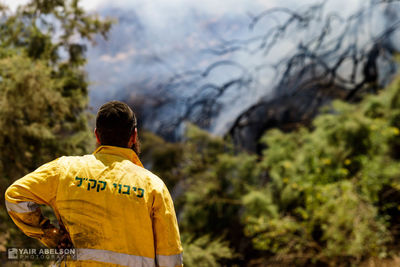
<point x="110" y="209"/>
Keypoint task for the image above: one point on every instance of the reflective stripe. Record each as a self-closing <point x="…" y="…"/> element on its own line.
<point x="107" y="256"/>
<point x="169" y="261"/>
<point x="21" y="207"/>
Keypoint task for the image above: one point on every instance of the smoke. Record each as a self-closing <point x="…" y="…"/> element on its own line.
<point x="160" y="54"/>
<point x="156" y="39"/>
<point x="210" y="61"/>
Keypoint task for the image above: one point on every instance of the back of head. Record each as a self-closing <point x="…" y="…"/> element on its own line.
<point x="115" y="123"/>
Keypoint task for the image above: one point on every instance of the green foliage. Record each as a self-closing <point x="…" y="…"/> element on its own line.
<point x="54" y="31"/>
<point x="204" y="251"/>
<point x="328" y="195"/>
<point x="208" y="178"/>
<point x="43" y="87"/>
<point x="215" y="176"/>
<point x="328" y="185"/>
<point x="33" y="116"/>
<point x="322" y="196"/>
<point x="161" y="157"/>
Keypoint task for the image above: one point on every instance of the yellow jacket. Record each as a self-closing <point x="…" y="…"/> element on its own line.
<point x="115" y="211"/>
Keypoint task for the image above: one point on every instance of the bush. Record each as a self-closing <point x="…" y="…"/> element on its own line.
<point x="322" y="196"/>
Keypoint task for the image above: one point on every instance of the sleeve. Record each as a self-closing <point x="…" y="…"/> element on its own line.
<point x="166" y="232"/>
<point x="23" y="198"/>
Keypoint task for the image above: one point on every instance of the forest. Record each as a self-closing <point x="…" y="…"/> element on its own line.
<point x="309" y="177"/>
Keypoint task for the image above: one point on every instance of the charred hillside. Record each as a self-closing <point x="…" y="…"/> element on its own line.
<point x="276" y="68"/>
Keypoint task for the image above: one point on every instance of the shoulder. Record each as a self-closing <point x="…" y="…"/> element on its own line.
<point x="150" y="178"/>
<point x="67" y="162"/>
<point x="72" y="159"/>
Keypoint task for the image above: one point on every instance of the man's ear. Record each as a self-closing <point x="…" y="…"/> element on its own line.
<point x="133" y="138"/>
<point x="97" y="136"/>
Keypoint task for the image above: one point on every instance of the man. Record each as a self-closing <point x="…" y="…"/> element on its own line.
<point x="114" y="211"/>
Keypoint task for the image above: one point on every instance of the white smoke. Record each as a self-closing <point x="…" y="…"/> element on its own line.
<point x="154" y="40"/>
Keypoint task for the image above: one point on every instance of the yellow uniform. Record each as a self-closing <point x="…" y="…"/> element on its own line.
<point x="115" y="211"/>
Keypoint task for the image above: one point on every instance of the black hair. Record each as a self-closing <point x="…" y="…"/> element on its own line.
<point x="115" y="123"/>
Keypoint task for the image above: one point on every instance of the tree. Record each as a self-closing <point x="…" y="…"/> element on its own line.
<point x="326" y="196"/>
<point x="43" y="87"/>
<point x="331" y="55"/>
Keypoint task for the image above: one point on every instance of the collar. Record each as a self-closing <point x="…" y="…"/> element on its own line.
<point x="119" y="151"/>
